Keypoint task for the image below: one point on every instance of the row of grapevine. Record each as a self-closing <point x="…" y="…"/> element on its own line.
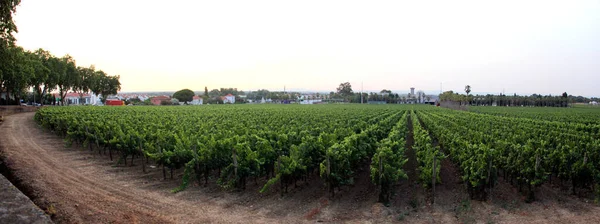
<point x="587" y="117"/>
<point x="343" y="158"/>
<point x="466" y="149"/>
<point x="428" y="156"/>
<point x="388" y="161"/>
<point x="281" y="145"/>
<point x="528" y="151"/>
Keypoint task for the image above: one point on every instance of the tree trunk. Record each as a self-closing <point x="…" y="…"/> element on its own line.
<point x="1" y="87"/>
<point x="7" y="96"/>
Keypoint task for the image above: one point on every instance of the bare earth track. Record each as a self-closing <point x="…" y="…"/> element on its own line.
<point x="75" y="185"/>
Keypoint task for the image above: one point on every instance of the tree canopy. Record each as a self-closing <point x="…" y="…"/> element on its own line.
<point x="184" y="95"/>
<point x="7" y="25"/>
<point x="7" y="52"/>
<point x="345" y="90"/>
<point x="205" y="97"/>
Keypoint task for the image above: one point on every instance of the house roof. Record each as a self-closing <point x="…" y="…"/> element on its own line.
<point x="196" y="98"/>
<point x="229" y="94"/>
<point x="161" y="97"/>
<point x="75" y="95"/>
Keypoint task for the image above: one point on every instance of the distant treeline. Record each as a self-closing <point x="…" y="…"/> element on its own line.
<point x="536" y="100"/>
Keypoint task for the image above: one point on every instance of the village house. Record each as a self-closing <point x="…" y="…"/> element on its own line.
<point x="228" y="99"/>
<point x="158" y="99"/>
<point x="309" y="99"/>
<point x="196" y="100"/>
<point x="74" y="98"/>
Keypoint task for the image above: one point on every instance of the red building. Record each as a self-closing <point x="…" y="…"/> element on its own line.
<point x="158" y="99"/>
<point x="113" y="102"/>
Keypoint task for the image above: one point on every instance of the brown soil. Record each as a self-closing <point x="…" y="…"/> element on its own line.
<point x="79" y="186"/>
<point x="8" y="110"/>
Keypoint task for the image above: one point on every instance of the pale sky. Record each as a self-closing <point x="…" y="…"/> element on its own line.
<point x="546" y="47"/>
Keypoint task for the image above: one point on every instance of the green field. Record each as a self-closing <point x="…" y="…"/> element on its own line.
<point x="286" y="143"/>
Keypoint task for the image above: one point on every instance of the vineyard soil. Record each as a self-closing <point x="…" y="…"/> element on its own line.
<point x="80" y="186"/>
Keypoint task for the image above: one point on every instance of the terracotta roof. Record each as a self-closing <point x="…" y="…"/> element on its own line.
<point x="76" y="95"/>
<point x="161" y="97"/>
<point x="196" y="98"/>
<point x="229" y="94"/>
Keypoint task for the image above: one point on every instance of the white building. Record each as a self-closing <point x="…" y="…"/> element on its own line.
<point x="310" y="101"/>
<point x="86" y="99"/>
<point x="228" y="99"/>
<point x="196" y="100"/>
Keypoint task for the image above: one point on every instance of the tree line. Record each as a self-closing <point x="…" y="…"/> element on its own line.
<point x="344" y="93"/>
<point x="22" y="70"/>
<point x="536" y="100"/>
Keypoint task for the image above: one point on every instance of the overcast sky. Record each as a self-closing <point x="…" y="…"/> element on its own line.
<point x="546" y="47"/>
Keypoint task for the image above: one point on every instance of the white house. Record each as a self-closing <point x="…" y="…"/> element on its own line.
<point x="143" y="97"/>
<point x="196" y="100"/>
<point x="310" y="101"/>
<point x="593" y="103"/>
<point x="228" y="99"/>
<point x="87" y="99"/>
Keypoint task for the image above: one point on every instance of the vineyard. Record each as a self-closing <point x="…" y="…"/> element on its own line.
<point x="280" y="146"/>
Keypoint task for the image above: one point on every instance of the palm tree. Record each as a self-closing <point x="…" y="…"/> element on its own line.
<point x="468" y="89"/>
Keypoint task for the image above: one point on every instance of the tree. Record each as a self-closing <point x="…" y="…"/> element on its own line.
<point x="66" y="74"/>
<point x="7" y="28"/>
<point x="110" y="86"/>
<point x="84" y="81"/>
<point x="7" y="25"/>
<point x="468" y="89"/>
<point x="105" y="85"/>
<point x="184" y="95"/>
<point x="16" y="73"/>
<point x="385" y="91"/>
<point x="258" y="95"/>
<point x="345" y="90"/>
<point x="205" y="97"/>
<point x="232" y="91"/>
<point x="214" y="93"/>
<point x="41" y="82"/>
